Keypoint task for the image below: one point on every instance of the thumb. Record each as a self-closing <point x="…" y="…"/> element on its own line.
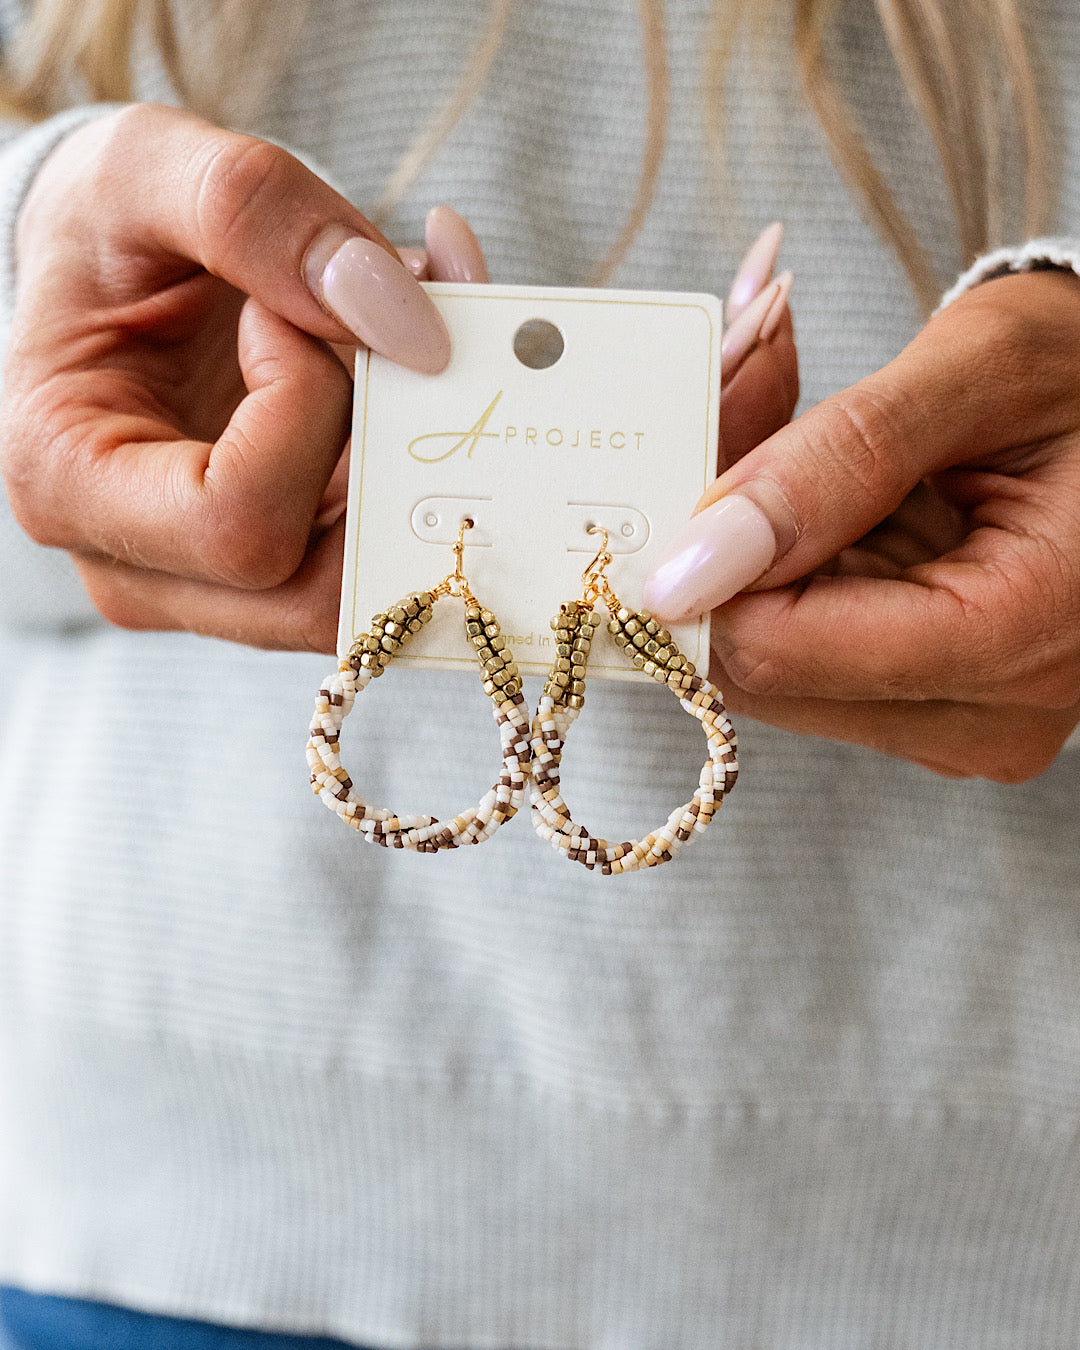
<point x="824" y="481"/>
<point x="163" y="187"/>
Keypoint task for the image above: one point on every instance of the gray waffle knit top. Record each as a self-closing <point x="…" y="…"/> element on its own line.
<point x="814" y="1086"/>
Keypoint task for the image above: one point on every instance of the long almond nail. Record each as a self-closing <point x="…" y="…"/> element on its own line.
<point x="454" y="252"/>
<point x="721" y="550"/>
<point x="776" y="309"/>
<point x="745" y="333"/>
<point x="755" y="270"/>
<point x="376" y="298"/>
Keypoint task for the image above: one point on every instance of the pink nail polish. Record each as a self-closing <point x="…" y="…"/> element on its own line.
<point x="454" y="252"/>
<point x="416" y="260"/>
<point x="745" y="333"/>
<point x="776" y="309"/>
<point x="377" y="298"/>
<point x="755" y="270"/>
<point x="722" y="550"/>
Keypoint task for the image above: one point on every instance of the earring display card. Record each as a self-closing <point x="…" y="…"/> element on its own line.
<point x="559" y="410"/>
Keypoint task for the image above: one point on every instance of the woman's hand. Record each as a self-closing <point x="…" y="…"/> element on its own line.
<point x="912" y="547"/>
<point x="173" y="411"/>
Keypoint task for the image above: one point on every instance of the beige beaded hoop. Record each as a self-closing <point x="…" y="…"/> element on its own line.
<point x="650" y="649"/>
<point x="369" y="656"/>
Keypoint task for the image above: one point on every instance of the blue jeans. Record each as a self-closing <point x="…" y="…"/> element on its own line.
<point x="45" y="1322"/>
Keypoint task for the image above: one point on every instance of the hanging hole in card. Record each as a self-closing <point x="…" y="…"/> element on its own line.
<point x="538" y="344"/>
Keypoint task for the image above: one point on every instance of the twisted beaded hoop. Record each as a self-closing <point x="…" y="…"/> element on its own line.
<point x="371" y="653"/>
<point x="650" y="648"/>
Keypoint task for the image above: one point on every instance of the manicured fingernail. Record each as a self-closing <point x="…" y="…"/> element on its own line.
<point x="377" y="299"/>
<point x="755" y="270"/>
<point x="720" y="552"/>
<point x="416" y="260"/>
<point x="454" y="252"/>
<point x="746" y="332"/>
<point x="776" y="309"/>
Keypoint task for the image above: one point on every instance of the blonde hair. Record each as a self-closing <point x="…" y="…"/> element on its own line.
<point x="967" y="66"/>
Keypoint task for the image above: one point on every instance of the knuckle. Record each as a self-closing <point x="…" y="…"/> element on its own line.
<point x="236" y="180"/>
<point x="113" y="599"/>
<point x="1023" y="761"/>
<point x="29" y="472"/>
<point x="754" y="670"/>
<point x="247" y="548"/>
<point x="860" y="434"/>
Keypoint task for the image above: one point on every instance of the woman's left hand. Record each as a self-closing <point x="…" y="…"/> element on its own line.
<point x="908" y="551"/>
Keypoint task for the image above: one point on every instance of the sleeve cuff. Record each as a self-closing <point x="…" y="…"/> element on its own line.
<point x="1034" y="256"/>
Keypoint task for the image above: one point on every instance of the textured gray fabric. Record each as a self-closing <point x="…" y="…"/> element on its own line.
<point x="813" y="1087"/>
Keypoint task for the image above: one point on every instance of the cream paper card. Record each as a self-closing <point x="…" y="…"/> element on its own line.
<point x="620" y="430"/>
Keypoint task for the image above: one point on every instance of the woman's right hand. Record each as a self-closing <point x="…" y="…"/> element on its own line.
<point x="173" y="411"/>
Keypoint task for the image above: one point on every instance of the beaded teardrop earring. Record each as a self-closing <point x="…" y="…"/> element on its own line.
<point x="649" y="648"/>
<point x="371" y="653"/>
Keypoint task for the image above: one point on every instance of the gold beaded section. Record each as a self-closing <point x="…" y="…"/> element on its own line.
<point x="574" y="627"/>
<point x="498" y="669"/>
<point x="374" y="650"/>
<point x="649" y="648"/>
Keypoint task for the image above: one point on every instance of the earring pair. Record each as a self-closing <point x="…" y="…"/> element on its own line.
<point x="531" y="753"/>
